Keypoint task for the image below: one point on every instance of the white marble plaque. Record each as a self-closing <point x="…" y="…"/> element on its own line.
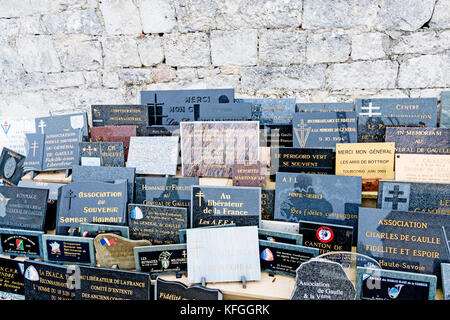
<point x="12" y="133"/>
<point x="422" y="168"/>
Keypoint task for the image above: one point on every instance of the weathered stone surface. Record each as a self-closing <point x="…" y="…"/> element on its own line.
<point x="425" y="72"/>
<point x="9" y="27"/>
<point x="368" y="46"/>
<point x="408" y="15"/>
<point x="196" y="15"/>
<point x="110" y="79"/>
<point x="120" y="51"/>
<point x="135" y="76"/>
<point x="121" y="17"/>
<point x="325" y="14"/>
<point x="31" y="25"/>
<point x="79" y="53"/>
<point x="187" y="50"/>
<point x="93" y="79"/>
<point x="236" y="14"/>
<point x="14" y="9"/>
<point x="163" y="74"/>
<point x="186" y="73"/>
<point x="362" y="74"/>
<point x="65" y="79"/>
<point x="282" y="47"/>
<point x="150" y="50"/>
<point x="29" y="103"/>
<point x="234" y="47"/>
<point x="441" y="15"/>
<point x="327" y="47"/>
<point x="72" y="22"/>
<point x="294" y="77"/>
<point x="421" y="42"/>
<point x="222" y="81"/>
<point x="157" y="16"/>
<point x="37" y="54"/>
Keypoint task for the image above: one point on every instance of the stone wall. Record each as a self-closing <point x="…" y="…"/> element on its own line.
<point x="57" y="56"/>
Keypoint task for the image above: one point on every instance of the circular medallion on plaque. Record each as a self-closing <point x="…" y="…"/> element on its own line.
<point x="10" y="168"/>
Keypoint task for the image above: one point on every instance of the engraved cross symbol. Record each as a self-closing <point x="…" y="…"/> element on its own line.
<point x="71" y="195"/>
<point x="184" y="254"/>
<point x="370" y="111"/>
<point x="304" y="130"/>
<point x="395" y="199"/>
<point x="90" y="150"/>
<point x="196" y="247"/>
<point x="155" y="106"/>
<point x="42" y="125"/>
<point x="200" y="195"/>
<point x="34" y="146"/>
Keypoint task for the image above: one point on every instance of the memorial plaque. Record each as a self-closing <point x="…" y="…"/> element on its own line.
<point x="225" y="112"/>
<point x="223" y="254"/>
<point x="374" y="115"/>
<point x="250" y="174"/>
<point x="183" y="236"/>
<point x="12" y="133"/>
<point x="300" y="160"/>
<point x="91" y="230"/>
<point x="63" y="123"/>
<point x="166" y="192"/>
<point x="51" y="152"/>
<point x="165" y="259"/>
<point x="107" y="154"/>
<point x="325" y="107"/>
<point x="171" y="107"/>
<point x="90" y="202"/>
<point x="273" y="111"/>
<point x="153" y="155"/>
<point x="16" y="242"/>
<point x="177" y="291"/>
<point x="68" y="250"/>
<point x="113" y="251"/>
<point x="121" y="115"/>
<point x="280" y="226"/>
<point x="112" y="285"/>
<point x="267" y="204"/>
<point x="431" y="168"/>
<point x="276" y="135"/>
<point x="445" y="273"/>
<point x="159" y="225"/>
<point x="23" y="208"/>
<point x="379" y="284"/>
<point x="323" y="129"/>
<point x="317" y="198"/>
<point x="225" y="205"/>
<point x="163" y="131"/>
<point x="11" y="167"/>
<point x="11" y="279"/>
<point x="47" y="281"/>
<point x="114" y="134"/>
<point x="414" y="196"/>
<point x="326" y="237"/>
<point x="322" y="280"/>
<point x="211" y="148"/>
<point x="106" y="174"/>
<point x="404" y="240"/>
<point x="419" y="140"/>
<point x="284" y="258"/>
<point x="445" y="110"/>
<point x="282" y="237"/>
<point x="370" y="161"/>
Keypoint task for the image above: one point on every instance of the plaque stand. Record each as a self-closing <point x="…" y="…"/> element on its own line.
<point x="243" y="280"/>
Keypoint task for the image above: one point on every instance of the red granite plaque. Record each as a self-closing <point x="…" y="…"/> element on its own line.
<point x="114" y="134"/>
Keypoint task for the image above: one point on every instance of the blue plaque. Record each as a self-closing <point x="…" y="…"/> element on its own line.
<point x="323" y="129"/>
<point x="419" y="140"/>
<point x="68" y="250"/>
<point x="445" y="110"/>
<point x="272" y="111"/>
<point x="63" y="123"/>
<point x="325" y="107"/>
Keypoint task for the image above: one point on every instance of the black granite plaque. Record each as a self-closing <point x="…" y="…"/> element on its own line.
<point x="404" y="240"/>
<point x="106" y="174"/>
<point x="160" y="225"/>
<point x="121" y="115"/>
<point x="284" y="258"/>
<point x="276" y="135"/>
<point x="267" y="204"/>
<point x="177" y="291"/>
<point x="11" y="279"/>
<point x="23" y="208"/>
<point x="11" y="167"/>
<point x="224" y="112"/>
<point x="326" y="237"/>
<point x="107" y="154"/>
<point x="21" y="243"/>
<point x="225" y="205"/>
<point x="163" y="131"/>
<point x="325" y="107"/>
<point x="419" y="140"/>
<point x="110" y="285"/>
<point x="414" y="196"/>
<point x="170" y="107"/>
<point x="90" y="202"/>
<point x="165" y="259"/>
<point x="63" y="123"/>
<point x="68" y="249"/>
<point x="300" y="160"/>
